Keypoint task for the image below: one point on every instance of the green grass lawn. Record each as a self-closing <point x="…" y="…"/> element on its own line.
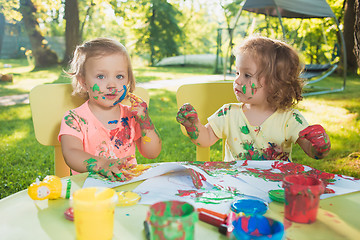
<point x="23" y="158"/>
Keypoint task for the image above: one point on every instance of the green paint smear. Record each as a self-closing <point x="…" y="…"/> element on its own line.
<point x="297" y="118"/>
<point x="244" y="89"/>
<point x="96" y="88"/>
<point x="245" y="130"/>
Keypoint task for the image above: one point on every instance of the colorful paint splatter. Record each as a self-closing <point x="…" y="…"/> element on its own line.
<point x="278" y="170"/>
<point x="126" y="173"/>
<point x="71" y="117"/>
<point x="272" y="152"/>
<point x="224" y="111"/>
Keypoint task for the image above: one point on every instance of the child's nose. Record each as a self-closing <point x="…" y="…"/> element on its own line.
<point x="238" y="80"/>
<point x="111" y="83"/>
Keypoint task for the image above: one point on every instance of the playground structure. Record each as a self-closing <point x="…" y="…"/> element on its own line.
<point x="299" y="9"/>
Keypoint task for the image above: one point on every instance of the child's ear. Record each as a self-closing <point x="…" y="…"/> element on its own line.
<point x="81" y="80"/>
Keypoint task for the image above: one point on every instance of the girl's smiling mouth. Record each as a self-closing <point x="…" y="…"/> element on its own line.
<point x="110" y="96"/>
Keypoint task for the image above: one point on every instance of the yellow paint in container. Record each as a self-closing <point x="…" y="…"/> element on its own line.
<point x="94" y="213"/>
<point x="127" y="198"/>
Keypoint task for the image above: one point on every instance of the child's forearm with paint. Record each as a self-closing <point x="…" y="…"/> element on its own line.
<point x="80" y="161"/>
<point x="149" y="145"/>
<point x="199" y="134"/>
<point x="314" y="141"/>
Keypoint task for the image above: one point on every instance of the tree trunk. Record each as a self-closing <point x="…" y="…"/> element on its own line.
<point x="72" y="31"/>
<point x="152" y="32"/>
<point x="41" y="52"/>
<point x="2" y="29"/>
<point x="349" y="20"/>
<point x="357" y="32"/>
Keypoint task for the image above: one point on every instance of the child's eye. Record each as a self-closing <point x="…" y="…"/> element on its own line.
<point x="100" y="76"/>
<point x="119" y="76"/>
<point x="237" y="73"/>
<point x="247" y="75"/>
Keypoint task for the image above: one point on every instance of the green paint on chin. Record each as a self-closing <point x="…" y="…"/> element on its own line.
<point x="96" y="97"/>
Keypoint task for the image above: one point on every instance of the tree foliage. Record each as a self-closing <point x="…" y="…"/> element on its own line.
<point x="154" y="24"/>
<point x="10" y="10"/>
<point x="42" y="54"/>
<point x="154" y="29"/>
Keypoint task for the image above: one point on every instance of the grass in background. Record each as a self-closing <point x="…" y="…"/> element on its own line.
<point x="23" y="158"/>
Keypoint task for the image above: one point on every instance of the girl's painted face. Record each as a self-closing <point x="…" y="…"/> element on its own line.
<point x="248" y="87"/>
<point x="106" y="79"/>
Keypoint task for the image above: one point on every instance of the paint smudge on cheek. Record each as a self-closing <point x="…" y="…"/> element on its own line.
<point x="253" y="88"/>
<point x="95" y="89"/>
<point x="122" y="97"/>
<point x="244" y="89"/>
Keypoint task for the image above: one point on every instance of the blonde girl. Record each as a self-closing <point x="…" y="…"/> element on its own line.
<point x="102" y="134"/>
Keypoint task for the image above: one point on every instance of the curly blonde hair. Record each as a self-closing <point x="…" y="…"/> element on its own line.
<point x="279" y="64"/>
<point x="94" y="48"/>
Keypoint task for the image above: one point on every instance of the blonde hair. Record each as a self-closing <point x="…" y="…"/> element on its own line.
<point x="92" y="48"/>
<point x="279" y="64"/>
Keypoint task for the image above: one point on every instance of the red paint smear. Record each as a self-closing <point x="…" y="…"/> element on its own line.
<point x="287" y="223"/>
<point x="290" y="168"/>
<point x="185" y="193"/>
<point x="245" y="163"/>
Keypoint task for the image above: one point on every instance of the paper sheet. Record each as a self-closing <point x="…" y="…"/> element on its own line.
<point x="225" y="182"/>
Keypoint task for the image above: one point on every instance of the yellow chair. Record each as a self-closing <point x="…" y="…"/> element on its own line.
<point x="206" y="99"/>
<point x="48" y="103"/>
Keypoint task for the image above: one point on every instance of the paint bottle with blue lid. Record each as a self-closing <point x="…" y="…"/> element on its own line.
<point x="249" y="206"/>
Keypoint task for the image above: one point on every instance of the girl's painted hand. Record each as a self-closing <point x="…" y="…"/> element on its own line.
<point x="109" y="168"/>
<point x="188" y="117"/>
<point x="140" y="111"/>
<point x="317" y="136"/>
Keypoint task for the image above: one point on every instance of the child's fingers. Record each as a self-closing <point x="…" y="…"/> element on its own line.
<point x="317" y="136"/>
<point x="134" y="98"/>
<point x="180" y="118"/>
<point x="311" y="131"/>
<point x="187" y="111"/>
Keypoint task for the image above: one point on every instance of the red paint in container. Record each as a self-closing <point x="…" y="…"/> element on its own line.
<point x="302" y="195"/>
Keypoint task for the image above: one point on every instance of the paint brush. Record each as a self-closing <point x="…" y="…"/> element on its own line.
<point x="220" y="215"/>
<point x="147" y="230"/>
<point x="228" y="227"/>
<point x="211" y="219"/>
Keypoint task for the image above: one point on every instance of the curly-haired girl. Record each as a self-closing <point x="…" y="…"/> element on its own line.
<point x="263" y="125"/>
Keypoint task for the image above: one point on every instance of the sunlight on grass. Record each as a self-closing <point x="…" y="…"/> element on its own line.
<point x="333" y="118"/>
<point x="15" y="137"/>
